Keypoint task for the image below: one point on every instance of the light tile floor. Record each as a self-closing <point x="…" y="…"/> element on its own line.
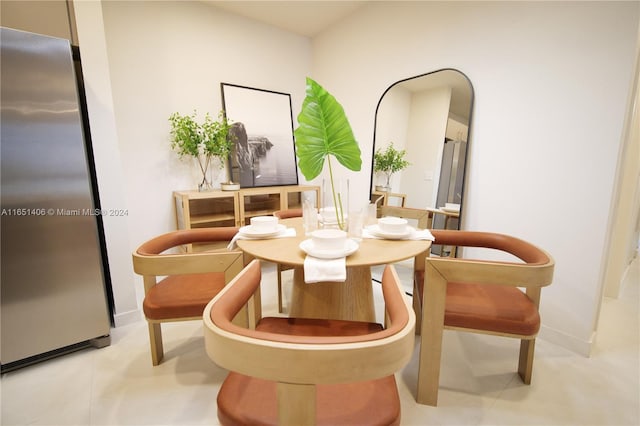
<point x="117" y="385"/>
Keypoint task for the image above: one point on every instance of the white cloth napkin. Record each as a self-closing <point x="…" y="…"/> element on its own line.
<point x="289" y="232"/>
<point x="416" y="234"/>
<point x="320" y="270"/>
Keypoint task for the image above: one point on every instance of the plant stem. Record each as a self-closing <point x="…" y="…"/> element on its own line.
<point x="204" y="168"/>
<point x="337" y="201"/>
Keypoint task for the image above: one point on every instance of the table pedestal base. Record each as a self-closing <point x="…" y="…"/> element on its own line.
<point x="350" y="300"/>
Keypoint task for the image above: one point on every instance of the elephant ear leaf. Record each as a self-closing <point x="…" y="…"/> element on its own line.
<point x="324" y="130"/>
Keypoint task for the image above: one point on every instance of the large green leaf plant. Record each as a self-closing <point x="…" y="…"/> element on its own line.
<point x="324" y="132"/>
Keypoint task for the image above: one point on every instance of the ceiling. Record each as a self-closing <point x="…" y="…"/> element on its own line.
<point x="305" y="18"/>
<point x="309" y="18"/>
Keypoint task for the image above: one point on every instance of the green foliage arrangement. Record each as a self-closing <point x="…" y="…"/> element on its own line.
<point x="324" y="132"/>
<point x="204" y="141"/>
<point x="188" y="137"/>
<point x="389" y="161"/>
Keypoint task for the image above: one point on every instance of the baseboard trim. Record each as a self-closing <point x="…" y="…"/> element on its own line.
<point x="572" y="343"/>
<point x="127" y="318"/>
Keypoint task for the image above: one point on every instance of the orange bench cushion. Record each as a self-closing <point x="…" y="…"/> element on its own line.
<point x="182" y="296"/>
<point x="244" y="400"/>
<point x="488" y="307"/>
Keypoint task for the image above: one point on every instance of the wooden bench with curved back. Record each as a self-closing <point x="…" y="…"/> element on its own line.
<point x="188" y="281"/>
<point x="301" y="371"/>
<point x="424" y="218"/>
<point x="478" y="296"/>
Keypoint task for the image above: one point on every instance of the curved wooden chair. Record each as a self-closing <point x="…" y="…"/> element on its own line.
<point x="293" y="371"/>
<point x="188" y="280"/>
<point x="284" y="214"/>
<point x="423" y="217"/>
<point x="479" y="297"/>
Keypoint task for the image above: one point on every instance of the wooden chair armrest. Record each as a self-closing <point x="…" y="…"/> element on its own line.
<point x="192" y="263"/>
<point x="251" y="352"/>
<point x="535" y="270"/>
<point x="173" y="239"/>
<point x="487" y="272"/>
<point x="150" y="259"/>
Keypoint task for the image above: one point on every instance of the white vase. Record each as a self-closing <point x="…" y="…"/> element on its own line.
<point x="333" y="213"/>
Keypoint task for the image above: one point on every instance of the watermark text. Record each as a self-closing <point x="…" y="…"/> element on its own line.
<point x="26" y="211"/>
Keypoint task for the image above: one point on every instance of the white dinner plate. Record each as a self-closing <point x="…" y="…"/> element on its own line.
<point x="376" y="231"/>
<point x="248" y="231"/>
<point x="350" y="247"/>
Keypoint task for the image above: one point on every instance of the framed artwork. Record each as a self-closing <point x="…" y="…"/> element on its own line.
<point x="262" y="127"/>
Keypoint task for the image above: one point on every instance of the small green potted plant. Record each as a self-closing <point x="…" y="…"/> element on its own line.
<point x="324" y="132"/>
<point x="388" y="162"/>
<point x="203" y="141"/>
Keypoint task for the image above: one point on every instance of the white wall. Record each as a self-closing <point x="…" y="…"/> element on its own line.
<point x="391" y="126"/>
<point x="166" y="57"/>
<point x="624" y="238"/>
<point x="551" y="83"/>
<point x="111" y="180"/>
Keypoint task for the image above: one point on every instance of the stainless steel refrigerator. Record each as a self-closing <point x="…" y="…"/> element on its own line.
<point x="54" y="277"/>
<point x="451" y="180"/>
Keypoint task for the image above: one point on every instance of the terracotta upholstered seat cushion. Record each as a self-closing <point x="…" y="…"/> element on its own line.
<point x="286" y="214"/>
<point x="494" y="308"/>
<point x="248" y="400"/>
<point x="245" y="400"/>
<point x="182" y="296"/>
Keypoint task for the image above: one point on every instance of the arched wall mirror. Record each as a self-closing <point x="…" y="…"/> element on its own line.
<point x="429" y="117"/>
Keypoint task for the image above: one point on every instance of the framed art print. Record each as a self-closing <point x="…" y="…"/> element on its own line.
<point x="262" y="128"/>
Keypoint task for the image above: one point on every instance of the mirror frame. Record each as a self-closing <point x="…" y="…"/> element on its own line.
<point x="466" y="154"/>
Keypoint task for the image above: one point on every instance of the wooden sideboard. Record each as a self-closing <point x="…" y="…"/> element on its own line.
<point x="236" y="208"/>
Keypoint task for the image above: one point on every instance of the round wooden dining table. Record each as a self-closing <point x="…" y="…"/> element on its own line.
<point x="349" y="300"/>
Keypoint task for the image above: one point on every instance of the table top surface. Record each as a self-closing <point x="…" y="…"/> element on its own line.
<point x="445" y="212"/>
<point x="286" y="250"/>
